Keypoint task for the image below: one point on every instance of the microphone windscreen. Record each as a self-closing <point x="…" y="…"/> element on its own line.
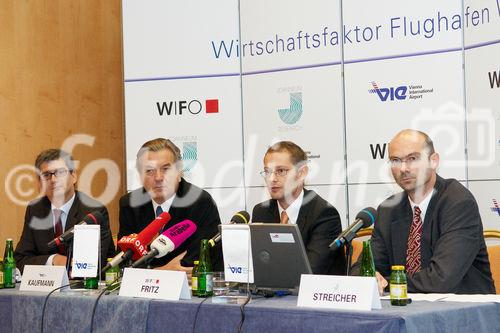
<point x="94" y="217"/>
<point x="147" y="234"/>
<point x="241" y="217"/>
<point x="368" y="216"/>
<point x="180" y="232"/>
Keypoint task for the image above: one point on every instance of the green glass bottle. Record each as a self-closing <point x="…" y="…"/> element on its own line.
<point x="91" y="283"/>
<point x="367" y="263"/>
<point x="194" y="278"/>
<point x="205" y="288"/>
<point x="398" y="286"/>
<point x="112" y="274"/>
<point x="1" y="273"/>
<point x="9" y="265"/>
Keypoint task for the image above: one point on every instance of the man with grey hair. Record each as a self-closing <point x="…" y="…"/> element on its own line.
<point x="58" y="210"/>
<point x="164" y="190"/>
<point x="433" y="227"/>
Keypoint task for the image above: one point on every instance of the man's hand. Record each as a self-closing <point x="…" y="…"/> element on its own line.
<point x="382" y="283"/>
<point x="175" y="265"/>
<point x="59" y="260"/>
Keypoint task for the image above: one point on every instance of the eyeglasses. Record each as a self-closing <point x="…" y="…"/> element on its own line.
<point x="152" y="172"/>
<point x="281" y="172"/>
<point x="59" y="173"/>
<point x="409" y="160"/>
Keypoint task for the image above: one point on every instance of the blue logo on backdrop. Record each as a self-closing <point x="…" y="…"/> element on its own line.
<point x="496" y="207"/>
<point x="391" y="93"/>
<point x="189" y="154"/>
<point x="399" y="93"/>
<point x="292" y="114"/>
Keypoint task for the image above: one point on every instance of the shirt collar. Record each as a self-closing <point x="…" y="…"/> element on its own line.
<point x="422" y="205"/>
<point x="66" y="207"/>
<point x="164" y="206"/>
<point x="293" y="210"/>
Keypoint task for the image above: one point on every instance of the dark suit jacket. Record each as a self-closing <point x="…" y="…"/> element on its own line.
<point x="319" y="224"/>
<point x="191" y="202"/>
<point x="454" y="257"/>
<point x="38" y="230"/>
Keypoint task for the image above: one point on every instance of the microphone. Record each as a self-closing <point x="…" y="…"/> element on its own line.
<point x="240" y="217"/>
<point x="364" y="219"/>
<point x="91" y="218"/>
<point x="135" y="245"/>
<point x="168" y="241"/>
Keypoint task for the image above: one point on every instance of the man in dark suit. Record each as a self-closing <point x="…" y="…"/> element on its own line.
<point x="60" y="209"/>
<point x="433" y="227"/>
<point x="285" y="170"/>
<point x="164" y="190"/>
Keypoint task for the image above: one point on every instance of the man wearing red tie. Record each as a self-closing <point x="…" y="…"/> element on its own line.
<point x="285" y="171"/>
<point x="59" y="209"/>
<point x="433" y="227"/>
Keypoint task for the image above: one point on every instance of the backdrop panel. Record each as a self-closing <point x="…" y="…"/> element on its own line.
<point x="283" y="34"/>
<point x="165" y="39"/>
<point x="194" y="114"/>
<point x="387" y="96"/>
<point x="487" y="194"/>
<point x="303" y="106"/>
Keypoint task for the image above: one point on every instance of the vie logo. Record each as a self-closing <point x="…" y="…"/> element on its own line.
<point x="81" y="265"/>
<point x="182" y="107"/>
<point x="236" y="270"/>
<point x="496" y="207"/>
<point x="391" y="93"/>
<point x="293" y="113"/>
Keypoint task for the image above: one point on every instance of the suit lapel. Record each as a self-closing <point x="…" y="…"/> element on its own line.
<point x="400" y="229"/>
<point x="304" y="211"/>
<point x="426" y="248"/>
<point x="73" y="213"/>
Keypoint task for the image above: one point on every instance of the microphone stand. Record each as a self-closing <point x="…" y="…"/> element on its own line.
<point x="69" y="257"/>
<point x="348" y="253"/>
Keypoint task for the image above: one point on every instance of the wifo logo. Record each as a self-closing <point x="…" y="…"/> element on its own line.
<point x="494" y="79"/>
<point x="496" y="207"/>
<point x="391" y="93"/>
<point x="189" y="155"/>
<point x="194" y="107"/>
<point x="292" y="114"/>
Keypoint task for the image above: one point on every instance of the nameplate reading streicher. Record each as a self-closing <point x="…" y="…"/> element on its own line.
<point x="338" y="292"/>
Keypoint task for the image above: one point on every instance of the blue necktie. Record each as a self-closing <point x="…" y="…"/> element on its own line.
<point x="158" y="211"/>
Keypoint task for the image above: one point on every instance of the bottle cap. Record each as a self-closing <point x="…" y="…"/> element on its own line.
<point x="196" y="262"/>
<point x="398" y="268"/>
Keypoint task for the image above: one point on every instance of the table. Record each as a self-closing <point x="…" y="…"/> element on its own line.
<point x="71" y="312"/>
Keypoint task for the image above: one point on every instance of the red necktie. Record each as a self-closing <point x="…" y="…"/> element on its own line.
<point x="413" y="257"/>
<point x="58" y="229"/>
<point x="284" y="217"/>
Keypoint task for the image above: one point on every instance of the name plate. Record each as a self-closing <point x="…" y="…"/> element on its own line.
<point x="156" y="284"/>
<point x="339" y="292"/>
<point x="43" y="278"/>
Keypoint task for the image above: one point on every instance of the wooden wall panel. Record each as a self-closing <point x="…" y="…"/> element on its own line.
<point x="61" y="74"/>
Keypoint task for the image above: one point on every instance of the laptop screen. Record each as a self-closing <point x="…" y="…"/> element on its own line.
<point x="279" y="256"/>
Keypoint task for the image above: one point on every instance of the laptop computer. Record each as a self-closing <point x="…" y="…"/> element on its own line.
<point x="279" y="256"/>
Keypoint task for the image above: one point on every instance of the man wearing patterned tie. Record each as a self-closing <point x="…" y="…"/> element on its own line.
<point x="59" y="209"/>
<point x="433" y="227"/>
<point x="159" y="165"/>
<point x="285" y="171"/>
